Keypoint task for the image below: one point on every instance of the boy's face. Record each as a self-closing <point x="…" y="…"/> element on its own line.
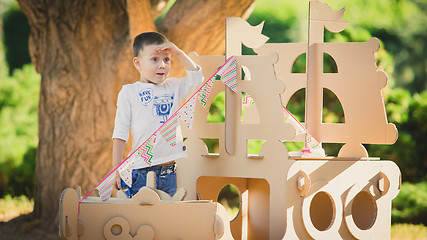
<point x="153" y="65"/>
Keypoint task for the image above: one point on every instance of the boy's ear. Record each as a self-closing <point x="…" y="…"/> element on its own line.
<point x="136" y="62"/>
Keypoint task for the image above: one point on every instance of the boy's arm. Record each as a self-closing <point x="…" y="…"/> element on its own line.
<point x="188" y="63"/>
<point x="118" y="148"/>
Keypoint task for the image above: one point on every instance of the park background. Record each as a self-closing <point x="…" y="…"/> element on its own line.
<point x="400" y="25"/>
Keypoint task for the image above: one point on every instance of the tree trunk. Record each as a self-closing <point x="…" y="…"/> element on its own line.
<point x="82" y="49"/>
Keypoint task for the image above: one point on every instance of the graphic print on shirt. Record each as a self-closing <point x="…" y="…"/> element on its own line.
<point x="162" y="106"/>
<point x="146" y="95"/>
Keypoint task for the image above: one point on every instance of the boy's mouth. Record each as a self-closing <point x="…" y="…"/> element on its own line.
<point x="161" y="74"/>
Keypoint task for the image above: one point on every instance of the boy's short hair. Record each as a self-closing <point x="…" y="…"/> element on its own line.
<point x="147" y="38"/>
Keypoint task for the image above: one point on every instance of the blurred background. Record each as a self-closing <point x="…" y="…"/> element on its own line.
<point x="400" y="25"/>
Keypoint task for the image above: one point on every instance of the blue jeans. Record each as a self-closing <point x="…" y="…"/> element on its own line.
<point x="165" y="178"/>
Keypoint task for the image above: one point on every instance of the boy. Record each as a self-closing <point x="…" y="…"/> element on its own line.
<point x="146" y="104"/>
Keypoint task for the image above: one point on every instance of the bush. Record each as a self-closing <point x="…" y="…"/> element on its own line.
<point x="410" y="205"/>
<point x="19" y="95"/>
<point x="410" y="116"/>
<point x="15" y="36"/>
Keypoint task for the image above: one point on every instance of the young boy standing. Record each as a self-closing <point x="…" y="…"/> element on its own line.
<point x="146" y="104"/>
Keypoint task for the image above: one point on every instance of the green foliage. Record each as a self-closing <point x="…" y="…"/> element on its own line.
<point x="15" y="34"/>
<point x="285" y="21"/>
<point x="410" y="205"/>
<point x="217" y="110"/>
<point x="19" y="95"/>
<point x="409" y="113"/>
<point x="400" y="25"/>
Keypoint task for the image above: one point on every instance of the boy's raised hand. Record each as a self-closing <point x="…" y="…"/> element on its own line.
<point x="171" y="48"/>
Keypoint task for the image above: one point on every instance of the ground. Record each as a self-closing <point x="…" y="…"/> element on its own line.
<point x="25" y="227"/>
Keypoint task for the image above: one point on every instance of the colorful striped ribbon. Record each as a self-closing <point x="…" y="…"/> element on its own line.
<point x="205" y="91"/>
<point x="228" y="73"/>
<point x="105" y="188"/>
<point x="168" y="130"/>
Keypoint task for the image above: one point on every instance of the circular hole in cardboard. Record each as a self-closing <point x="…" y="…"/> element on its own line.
<point x="116" y="229"/>
<point x="364" y="210"/>
<point x="322" y="211"/>
<point x="229" y="197"/>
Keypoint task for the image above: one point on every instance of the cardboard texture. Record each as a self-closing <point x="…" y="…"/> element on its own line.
<point x="144" y="216"/>
<point x="281" y="197"/>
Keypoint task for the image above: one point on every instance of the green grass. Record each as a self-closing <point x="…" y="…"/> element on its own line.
<point x="13" y="207"/>
<point x="405" y="231"/>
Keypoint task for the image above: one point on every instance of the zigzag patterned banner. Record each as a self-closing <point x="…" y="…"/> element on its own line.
<point x="312" y="147"/>
<point x="247" y="101"/>
<point x="145" y="150"/>
<point x="205" y="91"/>
<point x="311" y="142"/>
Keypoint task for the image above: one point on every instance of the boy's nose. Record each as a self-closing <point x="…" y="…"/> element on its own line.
<point x="162" y="65"/>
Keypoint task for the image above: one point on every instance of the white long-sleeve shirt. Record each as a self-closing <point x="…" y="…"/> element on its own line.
<point x="144" y="107"/>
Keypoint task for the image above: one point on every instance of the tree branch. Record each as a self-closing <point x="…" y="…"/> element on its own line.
<point x="140" y="17"/>
<point x="196" y="26"/>
<point x="157" y="7"/>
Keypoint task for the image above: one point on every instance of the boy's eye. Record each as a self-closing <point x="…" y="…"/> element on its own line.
<point x="167" y="59"/>
<point x="154" y="59"/>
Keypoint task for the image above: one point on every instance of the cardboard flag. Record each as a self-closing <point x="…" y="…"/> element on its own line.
<point x="187" y="111"/>
<point x="205" y="91"/>
<point x="105" y="187"/>
<point x="168" y="129"/>
<point x="253" y="38"/>
<point x="228" y="73"/>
